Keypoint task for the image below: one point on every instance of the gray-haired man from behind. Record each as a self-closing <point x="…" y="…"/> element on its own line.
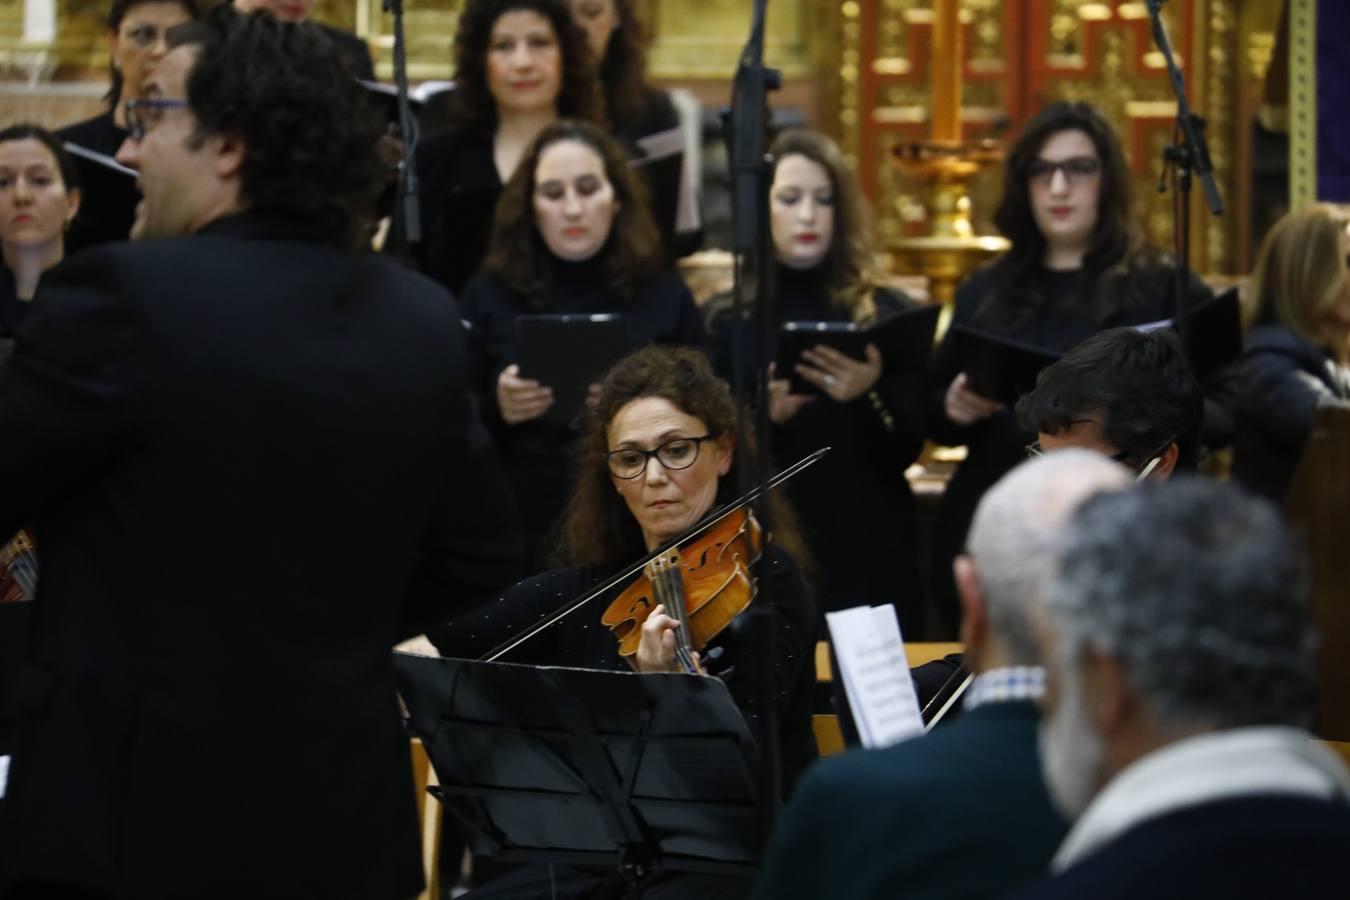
<point x="1180" y="656"/>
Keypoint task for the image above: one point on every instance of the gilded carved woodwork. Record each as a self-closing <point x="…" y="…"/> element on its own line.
<point x="1023" y="54"/>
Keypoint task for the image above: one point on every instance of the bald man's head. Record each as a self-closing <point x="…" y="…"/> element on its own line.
<point x="1010" y="550"/>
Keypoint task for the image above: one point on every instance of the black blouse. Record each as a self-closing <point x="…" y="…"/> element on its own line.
<point x="855" y="506"/>
<point x="580" y="641"/>
<point x="458" y="192"/>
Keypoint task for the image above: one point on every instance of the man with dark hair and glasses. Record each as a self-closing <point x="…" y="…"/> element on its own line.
<point x="1126" y="393"/>
<point x="253" y="467"/>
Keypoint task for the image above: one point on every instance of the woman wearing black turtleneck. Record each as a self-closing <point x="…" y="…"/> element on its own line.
<point x="855" y="506"/>
<point x="572" y="235"/>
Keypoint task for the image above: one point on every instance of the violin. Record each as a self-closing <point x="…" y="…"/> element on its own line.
<point x="703" y="583"/>
<point x="730" y="557"/>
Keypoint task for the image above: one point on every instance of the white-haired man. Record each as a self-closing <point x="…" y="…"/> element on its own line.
<point x="962" y="812"/>
<point x="1180" y="663"/>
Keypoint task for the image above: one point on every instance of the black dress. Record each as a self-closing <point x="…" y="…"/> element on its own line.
<point x="995" y="445"/>
<point x="536" y="454"/>
<point x="855" y="507"/>
<point x="12" y="310"/>
<point x="580" y="641"/>
<point x="1284" y="379"/>
<point x="107" y="199"/>
<point x="458" y="192"/>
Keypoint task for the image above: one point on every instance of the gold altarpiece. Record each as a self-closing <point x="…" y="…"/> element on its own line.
<point x="860" y="71"/>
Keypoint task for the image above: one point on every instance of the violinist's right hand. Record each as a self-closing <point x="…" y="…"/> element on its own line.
<point x="521" y="399"/>
<point x="964" y="406"/>
<point x="783" y="404"/>
<point x="656" y="650"/>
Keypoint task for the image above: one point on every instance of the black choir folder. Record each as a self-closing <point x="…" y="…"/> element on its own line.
<point x="905" y="340"/>
<point x="1003" y="369"/>
<point x="1214" y="338"/>
<point x="999" y="367"/>
<point x="585" y="767"/>
<point x="569" y="353"/>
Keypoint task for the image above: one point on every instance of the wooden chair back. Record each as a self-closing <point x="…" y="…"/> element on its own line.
<point x="1318" y="505"/>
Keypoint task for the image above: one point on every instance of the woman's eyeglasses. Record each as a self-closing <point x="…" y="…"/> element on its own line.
<point x="675" y="454"/>
<point x="1075" y="169"/>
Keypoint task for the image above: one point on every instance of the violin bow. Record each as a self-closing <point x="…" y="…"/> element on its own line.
<point x="705" y="523"/>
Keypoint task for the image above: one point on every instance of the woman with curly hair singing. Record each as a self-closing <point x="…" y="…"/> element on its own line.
<point x="572" y="235"/>
<point x="519" y="66"/>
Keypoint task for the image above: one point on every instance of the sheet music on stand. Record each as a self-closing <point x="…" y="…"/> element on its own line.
<point x="872" y="665"/>
<point x="611" y="770"/>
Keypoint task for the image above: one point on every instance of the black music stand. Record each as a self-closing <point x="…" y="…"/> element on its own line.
<point x="611" y="770"/>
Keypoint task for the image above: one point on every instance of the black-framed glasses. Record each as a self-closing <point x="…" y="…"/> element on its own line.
<point x="1034" y="449"/>
<point x="1075" y="169"/>
<point x="1141" y="469"/>
<point x="144" y="113"/>
<point x="674" y="454"/>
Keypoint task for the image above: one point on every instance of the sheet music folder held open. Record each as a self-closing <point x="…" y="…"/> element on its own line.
<point x="905" y="340"/>
<point x="586" y="767"/>
<point x="568" y="352"/>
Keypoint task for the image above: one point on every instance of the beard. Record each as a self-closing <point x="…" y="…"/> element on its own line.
<point x="1073" y="756"/>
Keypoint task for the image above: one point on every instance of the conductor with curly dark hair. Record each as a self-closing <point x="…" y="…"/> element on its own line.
<point x="519" y="66"/>
<point x="253" y="466"/>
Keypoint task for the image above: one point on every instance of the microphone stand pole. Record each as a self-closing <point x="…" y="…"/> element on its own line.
<point x="406" y="207"/>
<point x="1189" y="154"/>
<point x="745" y="132"/>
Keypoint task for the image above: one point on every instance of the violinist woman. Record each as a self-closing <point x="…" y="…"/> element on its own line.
<point x="657" y="452"/>
<point x="1076" y="267"/>
<point x="573" y="235"/>
<point x="520" y="65"/>
<point x="1297" y="356"/>
<point x="857" y="512"/>
<point x="137" y="32"/>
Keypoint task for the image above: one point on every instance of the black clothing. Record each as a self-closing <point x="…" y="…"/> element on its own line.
<point x="536" y="454"/>
<point x="354" y="51"/>
<point x="251" y="465"/>
<point x="1283" y="379"/>
<point x="580" y="641"/>
<point x="961" y="813"/>
<point x="458" y="189"/>
<point x="658" y="114"/>
<point x="855" y="507"/>
<point x="1248" y="848"/>
<point x="14" y="617"/>
<point x="12" y="310"/>
<point x="997" y="444"/>
<point x="107" y="199"/>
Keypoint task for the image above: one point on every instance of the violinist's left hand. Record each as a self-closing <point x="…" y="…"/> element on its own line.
<point x="839" y="375"/>
<point x="656" y="650"/>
